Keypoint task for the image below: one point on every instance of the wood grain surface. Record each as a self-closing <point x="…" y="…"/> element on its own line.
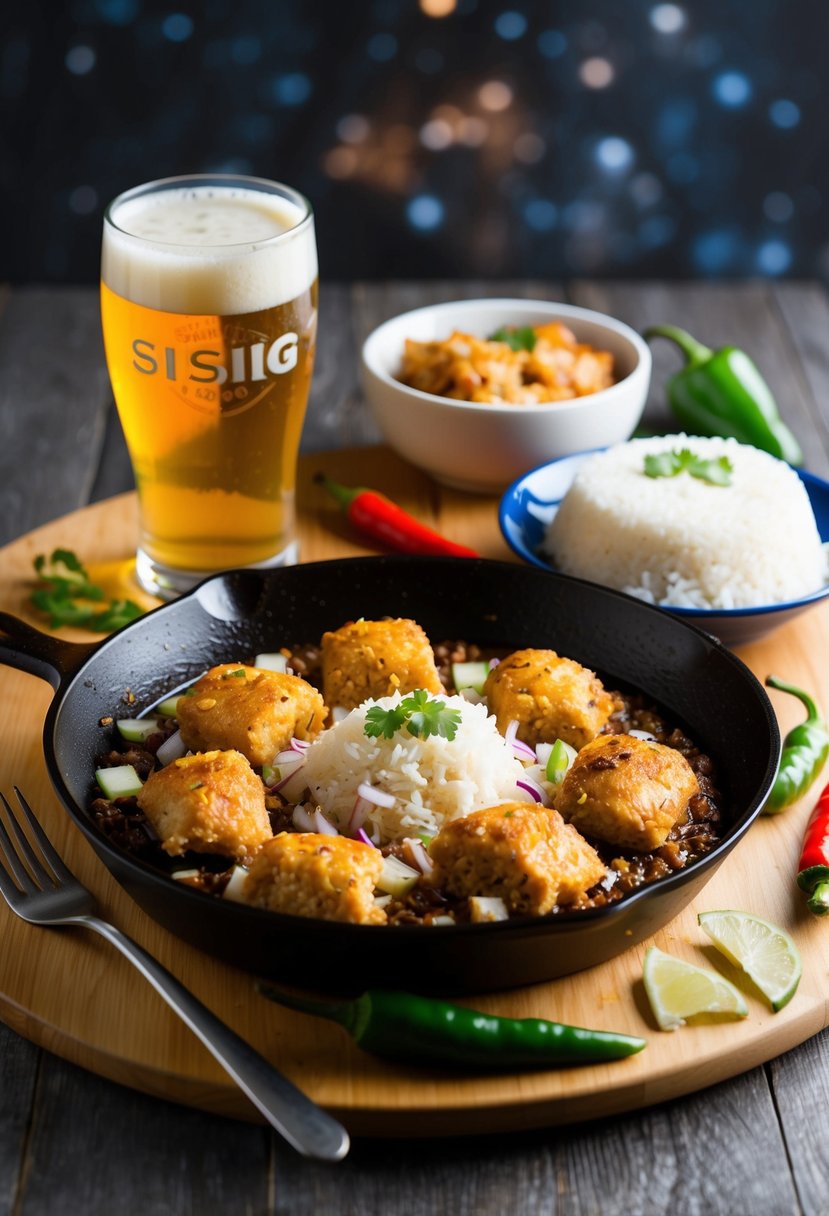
<point x="69" y="992"/>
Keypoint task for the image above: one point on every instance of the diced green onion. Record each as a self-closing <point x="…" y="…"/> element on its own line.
<point x="558" y="761"/>
<point x="168" y="708"/>
<point x="122" y="781"/>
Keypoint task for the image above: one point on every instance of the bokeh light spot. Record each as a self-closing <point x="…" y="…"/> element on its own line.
<point x="774" y="257"/>
<point x="177" y="27"/>
<point x="667" y="18"/>
<point x="495" y="95"/>
<point x="246" y="49"/>
<point x="552" y="43"/>
<point x="714" y="252"/>
<point x="353" y="128"/>
<point x="80" y="60"/>
<point x="510" y="25"/>
<point x="596" y="73"/>
<point x="657" y="230"/>
<point x="529" y="148"/>
<point x="540" y="214"/>
<point x="436" y="134"/>
<point x="438" y="8"/>
<point x="472" y="131"/>
<point x="340" y="162"/>
<point x="292" y="89"/>
<point x="732" y="89"/>
<point x="646" y="189"/>
<point x="83" y="200"/>
<point x="425" y="212"/>
<point x="778" y="207"/>
<point x="614" y="154"/>
<point x="784" y="114"/>
<point x="117" y="12"/>
<point x="382" y="47"/>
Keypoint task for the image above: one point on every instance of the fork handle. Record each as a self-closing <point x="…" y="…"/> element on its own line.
<point x="306" y="1126"/>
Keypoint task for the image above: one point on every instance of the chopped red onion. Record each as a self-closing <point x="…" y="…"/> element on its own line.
<point x="361" y="808"/>
<point x="493" y="663"/>
<point x="293" y="769"/>
<point x="324" y="826"/>
<point x="542" y="753"/>
<point x="171" y="749"/>
<point x="419" y="855"/>
<point x="520" y="750"/>
<point x="532" y="788"/>
<point x="378" y="797"/>
<point x="301" y="819"/>
<point x="300" y="745"/>
<point x="365" y="839"/>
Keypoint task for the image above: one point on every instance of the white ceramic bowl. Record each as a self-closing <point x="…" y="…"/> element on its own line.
<point x="483" y="447"/>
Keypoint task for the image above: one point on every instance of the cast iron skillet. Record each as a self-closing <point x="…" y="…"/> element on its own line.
<point x="235" y="615"/>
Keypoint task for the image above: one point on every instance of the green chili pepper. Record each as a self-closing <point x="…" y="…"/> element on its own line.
<point x="805" y="749"/>
<point x="722" y="393"/>
<point x="401" y="1026"/>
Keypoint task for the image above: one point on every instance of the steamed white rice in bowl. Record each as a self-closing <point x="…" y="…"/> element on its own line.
<point x="428" y="781"/>
<point x="683" y="542"/>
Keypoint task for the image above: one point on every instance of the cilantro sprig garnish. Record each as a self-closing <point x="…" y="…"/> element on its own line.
<point x="418" y="713"/>
<point x="516" y="337"/>
<point x="67" y="597"/>
<point x="671" y="464"/>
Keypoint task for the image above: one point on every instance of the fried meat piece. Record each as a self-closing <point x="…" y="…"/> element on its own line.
<point x="212" y="802"/>
<point x="253" y="711"/>
<point x="306" y="874"/>
<point x="524" y="853"/>
<point x="373" y="659"/>
<point x="550" y="698"/>
<point x="627" y="791"/>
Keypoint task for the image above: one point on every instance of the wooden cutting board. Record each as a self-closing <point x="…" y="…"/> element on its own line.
<point x="71" y="993"/>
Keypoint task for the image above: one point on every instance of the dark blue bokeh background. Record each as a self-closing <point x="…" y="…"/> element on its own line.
<point x="434" y="137"/>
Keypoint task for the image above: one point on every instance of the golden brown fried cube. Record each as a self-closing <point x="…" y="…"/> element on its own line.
<point x="212" y="802"/>
<point x="375" y="659"/>
<point x="627" y="791"/>
<point x="306" y="874"/>
<point x="550" y="698"/>
<point x="256" y="712"/>
<point x="525" y="853"/>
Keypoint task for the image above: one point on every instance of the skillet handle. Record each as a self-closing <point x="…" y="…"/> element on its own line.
<point x="50" y="658"/>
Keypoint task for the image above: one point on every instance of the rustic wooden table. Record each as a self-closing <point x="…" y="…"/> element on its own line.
<point x="72" y="1142"/>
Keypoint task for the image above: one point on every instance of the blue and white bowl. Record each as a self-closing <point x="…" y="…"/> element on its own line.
<point x="530" y="503"/>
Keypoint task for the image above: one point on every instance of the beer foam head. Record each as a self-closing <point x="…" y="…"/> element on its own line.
<point x="209" y="249"/>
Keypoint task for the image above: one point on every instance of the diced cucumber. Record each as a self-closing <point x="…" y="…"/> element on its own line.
<point x="396" y="877"/>
<point x="470" y="675"/>
<point x="486" y="908"/>
<point x="136" y="730"/>
<point x="271" y="662"/>
<point x="168" y="708"/>
<point x="122" y="781"/>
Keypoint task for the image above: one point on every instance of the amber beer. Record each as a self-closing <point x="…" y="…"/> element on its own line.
<point x="209" y="309"/>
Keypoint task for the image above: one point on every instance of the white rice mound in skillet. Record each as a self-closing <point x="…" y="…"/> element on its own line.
<point x="682" y="542"/>
<point x="433" y="780"/>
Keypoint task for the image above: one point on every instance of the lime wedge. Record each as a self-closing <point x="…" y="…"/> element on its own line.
<point x="766" y="953"/>
<point x="678" y="991"/>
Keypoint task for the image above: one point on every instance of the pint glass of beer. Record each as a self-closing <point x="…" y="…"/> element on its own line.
<point x="209" y="309"/>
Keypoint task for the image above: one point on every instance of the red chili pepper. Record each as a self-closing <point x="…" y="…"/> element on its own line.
<point x="382" y="520"/>
<point x="813" y="871"/>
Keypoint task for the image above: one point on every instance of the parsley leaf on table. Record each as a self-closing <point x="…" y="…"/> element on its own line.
<point x="67" y="596"/>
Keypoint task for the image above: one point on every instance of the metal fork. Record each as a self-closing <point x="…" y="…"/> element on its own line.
<point x="40" y="889"/>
